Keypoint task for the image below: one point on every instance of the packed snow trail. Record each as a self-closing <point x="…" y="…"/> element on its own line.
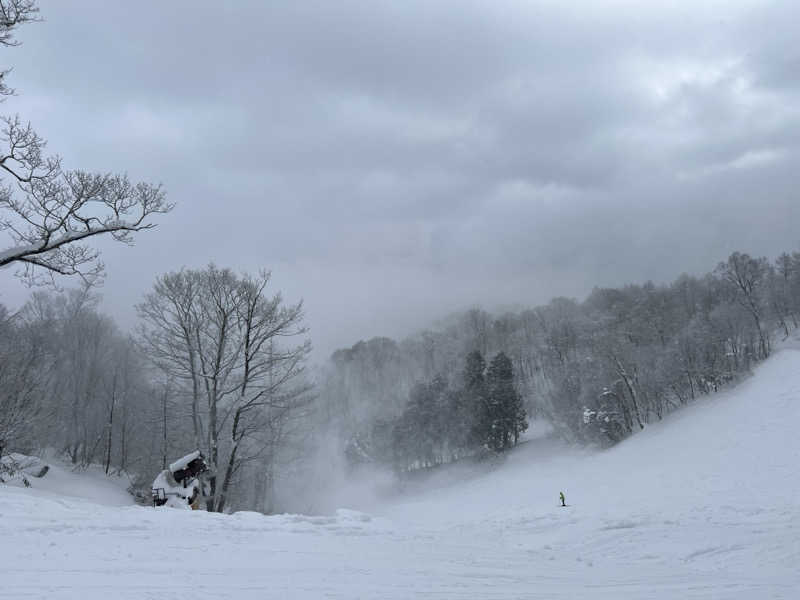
<point x="703" y="505"/>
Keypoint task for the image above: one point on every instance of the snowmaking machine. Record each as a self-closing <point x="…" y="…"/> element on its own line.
<point x="180" y="486"/>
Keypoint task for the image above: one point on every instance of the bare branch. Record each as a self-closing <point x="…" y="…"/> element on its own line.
<point x="14" y="13"/>
<point x="47" y="212"/>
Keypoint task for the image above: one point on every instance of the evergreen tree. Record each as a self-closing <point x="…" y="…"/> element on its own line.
<point x="474" y="371"/>
<point x="506" y="413"/>
<point x="477" y="419"/>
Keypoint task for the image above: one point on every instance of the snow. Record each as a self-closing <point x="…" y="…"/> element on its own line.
<point x="181" y="463"/>
<point x="15" y="251"/>
<point x="67" y="236"/>
<point x="175" y="494"/>
<point x="90" y="484"/>
<point x="702" y="505"/>
<point x="18" y="466"/>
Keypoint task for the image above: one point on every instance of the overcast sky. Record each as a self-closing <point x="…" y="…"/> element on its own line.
<point x="390" y="162"/>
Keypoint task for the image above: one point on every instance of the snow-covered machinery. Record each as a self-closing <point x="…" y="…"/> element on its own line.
<point x="180" y="486"/>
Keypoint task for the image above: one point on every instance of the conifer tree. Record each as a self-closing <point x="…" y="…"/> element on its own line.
<point x="477" y="415"/>
<point x="506" y="413"/>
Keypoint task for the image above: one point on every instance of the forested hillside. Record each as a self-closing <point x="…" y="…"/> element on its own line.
<point x="598" y="369"/>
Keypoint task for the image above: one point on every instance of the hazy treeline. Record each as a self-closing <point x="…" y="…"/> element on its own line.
<point x="598" y="370"/>
<point x="213" y="365"/>
<point x="70" y="380"/>
<point x="443" y="422"/>
<point x="218" y="363"/>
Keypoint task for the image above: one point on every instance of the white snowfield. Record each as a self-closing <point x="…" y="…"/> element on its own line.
<point x="703" y="505"/>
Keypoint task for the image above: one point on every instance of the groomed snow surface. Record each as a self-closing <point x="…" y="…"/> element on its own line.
<point x="703" y="505"/>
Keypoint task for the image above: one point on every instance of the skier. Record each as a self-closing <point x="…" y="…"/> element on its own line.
<point x="561" y="495"/>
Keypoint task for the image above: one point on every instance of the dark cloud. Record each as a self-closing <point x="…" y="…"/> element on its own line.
<point x="392" y="161"/>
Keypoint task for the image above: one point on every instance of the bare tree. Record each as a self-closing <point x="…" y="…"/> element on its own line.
<point x="746" y="277"/>
<point x="49" y="213"/>
<point x="222" y="338"/>
<point x="781" y="291"/>
<point x="268" y="393"/>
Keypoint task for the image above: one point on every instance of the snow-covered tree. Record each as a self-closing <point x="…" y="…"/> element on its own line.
<point x="507" y="417"/>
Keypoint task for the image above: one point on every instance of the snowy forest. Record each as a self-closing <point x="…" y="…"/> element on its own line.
<point x="220" y="362"/>
<point x="597" y="370"/>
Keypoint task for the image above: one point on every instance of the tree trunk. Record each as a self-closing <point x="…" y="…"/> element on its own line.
<point x="110" y="427"/>
<point x="123" y="447"/>
<point x="164" y="431"/>
<point x="226" y="482"/>
<point x="631" y="386"/>
<point x="213" y="453"/>
<point x="110" y="424"/>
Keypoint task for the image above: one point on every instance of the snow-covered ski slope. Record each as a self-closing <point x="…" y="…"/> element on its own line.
<point x="703" y="505"/>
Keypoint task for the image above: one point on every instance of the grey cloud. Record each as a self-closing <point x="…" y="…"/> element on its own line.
<point x="393" y="161"/>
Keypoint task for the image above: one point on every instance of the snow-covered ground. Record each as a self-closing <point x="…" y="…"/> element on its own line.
<point x="703" y="505"/>
<point x="87" y="484"/>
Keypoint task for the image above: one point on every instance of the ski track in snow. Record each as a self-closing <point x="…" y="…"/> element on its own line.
<point x="703" y="505"/>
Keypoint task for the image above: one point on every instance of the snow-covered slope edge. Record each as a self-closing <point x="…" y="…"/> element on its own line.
<point x="90" y="484"/>
<point x="703" y="505"/>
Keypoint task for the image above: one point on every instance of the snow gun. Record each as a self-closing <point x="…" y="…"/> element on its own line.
<point x="179" y="484"/>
